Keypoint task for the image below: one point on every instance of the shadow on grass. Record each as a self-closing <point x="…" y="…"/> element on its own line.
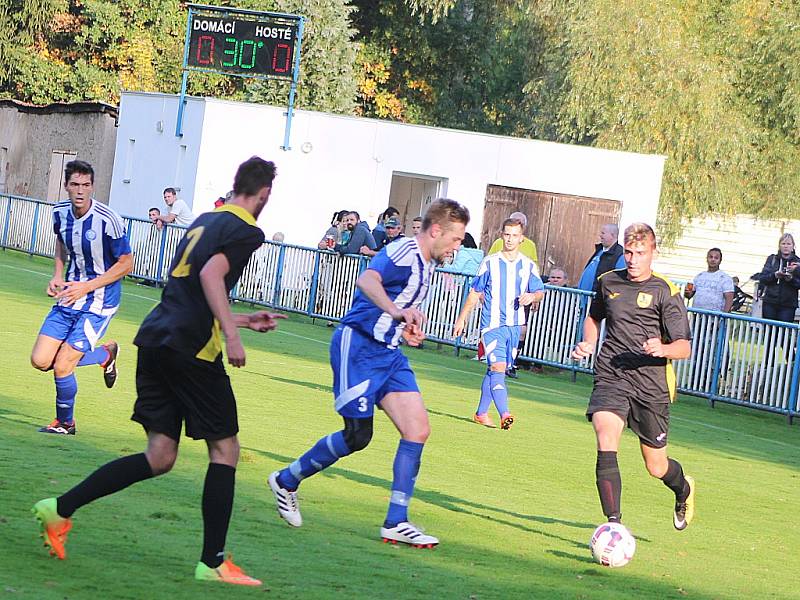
<point x="317" y="387"/>
<point x="453" y="503"/>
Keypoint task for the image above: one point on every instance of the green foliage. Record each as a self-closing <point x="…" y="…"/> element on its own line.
<point x="327" y="64"/>
<point x="707" y="84"/>
<point x="465" y="70"/>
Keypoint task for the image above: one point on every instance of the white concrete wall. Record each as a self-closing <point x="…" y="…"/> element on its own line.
<point x="156" y="158"/>
<point x="351" y="161"/>
<point x="744" y="240"/>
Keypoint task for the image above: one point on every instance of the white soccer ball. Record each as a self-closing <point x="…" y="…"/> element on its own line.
<point x="612" y="545"/>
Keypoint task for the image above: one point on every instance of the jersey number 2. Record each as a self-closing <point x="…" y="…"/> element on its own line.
<point x="183" y="268"/>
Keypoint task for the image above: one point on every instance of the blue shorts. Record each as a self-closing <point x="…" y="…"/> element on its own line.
<point x="500" y="344"/>
<point x="81" y="330"/>
<point x="364" y="371"/>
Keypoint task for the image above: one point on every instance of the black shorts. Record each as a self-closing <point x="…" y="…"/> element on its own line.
<point x="172" y="387"/>
<point x="646" y="418"/>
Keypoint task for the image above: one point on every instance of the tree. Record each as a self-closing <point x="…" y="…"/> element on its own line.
<point x="654" y="76"/>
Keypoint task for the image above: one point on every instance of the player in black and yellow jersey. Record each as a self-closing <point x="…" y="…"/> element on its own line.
<point x="646" y="328"/>
<point x="180" y="376"/>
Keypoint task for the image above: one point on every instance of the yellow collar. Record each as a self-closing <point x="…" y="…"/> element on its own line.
<point x="239" y="212"/>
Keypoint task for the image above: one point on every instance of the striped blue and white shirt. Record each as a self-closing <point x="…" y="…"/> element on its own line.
<point x="501" y="282"/>
<point x="406" y="278"/>
<point x="94" y="243"/>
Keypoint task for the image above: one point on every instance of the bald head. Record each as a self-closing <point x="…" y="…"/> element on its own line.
<point x="609" y="234"/>
<point x="518" y="216"/>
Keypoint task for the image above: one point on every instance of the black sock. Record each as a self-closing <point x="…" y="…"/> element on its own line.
<point x="108" y="479"/>
<point x="609" y="484"/>
<point x="217" y="508"/>
<point x="675" y="480"/>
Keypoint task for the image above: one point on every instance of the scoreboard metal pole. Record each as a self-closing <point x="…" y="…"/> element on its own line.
<point x="293" y="89"/>
<point x="185" y="79"/>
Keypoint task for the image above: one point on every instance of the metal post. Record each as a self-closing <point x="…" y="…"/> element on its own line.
<point x="279" y="275"/>
<point x="717" y="367"/>
<point x="312" y="296"/>
<point x="293" y="88"/>
<point x="182" y="100"/>
<point x="792" y="407"/>
<point x="35" y="229"/>
<point x="8" y="221"/>
<point x="161" y="251"/>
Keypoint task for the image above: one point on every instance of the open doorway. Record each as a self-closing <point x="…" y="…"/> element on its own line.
<point x="412" y="194"/>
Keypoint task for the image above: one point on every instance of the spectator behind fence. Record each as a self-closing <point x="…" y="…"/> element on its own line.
<point x="153" y="214"/>
<point x="527" y="247"/>
<point x="557" y="277"/>
<point x="712" y="289"/>
<point x="740" y="297"/>
<point x="780" y="280"/>
<point x="333" y="235"/>
<point x="416" y="225"/>
<point x="608" y="256"/>
<point x="179" y="211"/>
<point x="392" y="231"/>
<point x="278" y="236"/>
<point x="359" y="235"/>
<point x="469" y="241"/>
<point x="466" y="260"/>
<point x="379" y="233"/>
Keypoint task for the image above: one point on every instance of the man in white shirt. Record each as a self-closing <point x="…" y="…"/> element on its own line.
<point x="713" y="289"/>
<point x="179" y="211"/>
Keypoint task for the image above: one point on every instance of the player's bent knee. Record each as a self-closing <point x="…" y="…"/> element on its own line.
<point x="161" y="463"/>
<point x="357" y="433"/>
<point x="41" y="363"/>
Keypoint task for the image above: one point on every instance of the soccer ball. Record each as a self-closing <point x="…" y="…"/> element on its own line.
<point x="612" y="545"/>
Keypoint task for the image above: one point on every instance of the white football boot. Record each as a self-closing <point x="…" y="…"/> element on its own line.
<point x="408" y="533"/>
<point x="286" y="502"/>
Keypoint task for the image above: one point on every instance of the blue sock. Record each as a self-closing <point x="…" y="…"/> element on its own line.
<point x="321" y="456"/>
<point x="94" y="357"/>
<point x="66" y="390"/>
<point x="486" y="396"/>
<point x="499" y="391"/>
<point x="406" y="467"/>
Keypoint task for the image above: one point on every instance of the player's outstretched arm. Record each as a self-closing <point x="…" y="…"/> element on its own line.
<point x="591" y="331"/>
<point x="261" y="321"/>
<point x="677" y="350"/>
<point x="212" y="279"/>
<point x="371" y="285"/>
<point x="55" y="285"/>
<point x="461" y="321"/>
<point x="75" y="290"/>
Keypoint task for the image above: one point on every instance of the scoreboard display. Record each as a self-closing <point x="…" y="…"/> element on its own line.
<point x="236" y="45"/>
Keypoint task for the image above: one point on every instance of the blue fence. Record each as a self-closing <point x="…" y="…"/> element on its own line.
<point x="735" y="359"/>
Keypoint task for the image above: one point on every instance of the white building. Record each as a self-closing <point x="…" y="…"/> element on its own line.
<point x="361" y="164"/>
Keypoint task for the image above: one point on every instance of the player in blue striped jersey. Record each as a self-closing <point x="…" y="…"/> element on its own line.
<point x="507" y="281"/>
<point x="369" y="370"/>
<point x="92" y="256"/>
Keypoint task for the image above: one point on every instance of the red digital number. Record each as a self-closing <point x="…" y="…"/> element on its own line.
<point x="210" y="56"/>
<point x="288" y="50"/>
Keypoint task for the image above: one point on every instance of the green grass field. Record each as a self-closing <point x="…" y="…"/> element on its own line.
<point x="514" y="510"/>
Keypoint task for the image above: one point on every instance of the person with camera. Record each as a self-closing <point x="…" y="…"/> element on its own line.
<point x="780" y="280"/>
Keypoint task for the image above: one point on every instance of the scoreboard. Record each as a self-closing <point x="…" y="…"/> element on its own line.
<point x="237" y="44"/>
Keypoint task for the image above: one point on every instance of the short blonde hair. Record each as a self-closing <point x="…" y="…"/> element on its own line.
<point x="639" y="232"/>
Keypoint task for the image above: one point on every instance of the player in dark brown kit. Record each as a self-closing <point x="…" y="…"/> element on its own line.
<point x="646" y="328"/>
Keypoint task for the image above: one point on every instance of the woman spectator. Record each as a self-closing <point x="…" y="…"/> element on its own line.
<point x="780" y="280"/>
<point x="333" y="235"/>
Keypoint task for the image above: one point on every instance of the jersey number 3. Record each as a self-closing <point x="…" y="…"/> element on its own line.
<point x="183" y="268"/>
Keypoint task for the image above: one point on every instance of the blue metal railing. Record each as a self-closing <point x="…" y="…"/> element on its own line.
<point x="735" y="359"/>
